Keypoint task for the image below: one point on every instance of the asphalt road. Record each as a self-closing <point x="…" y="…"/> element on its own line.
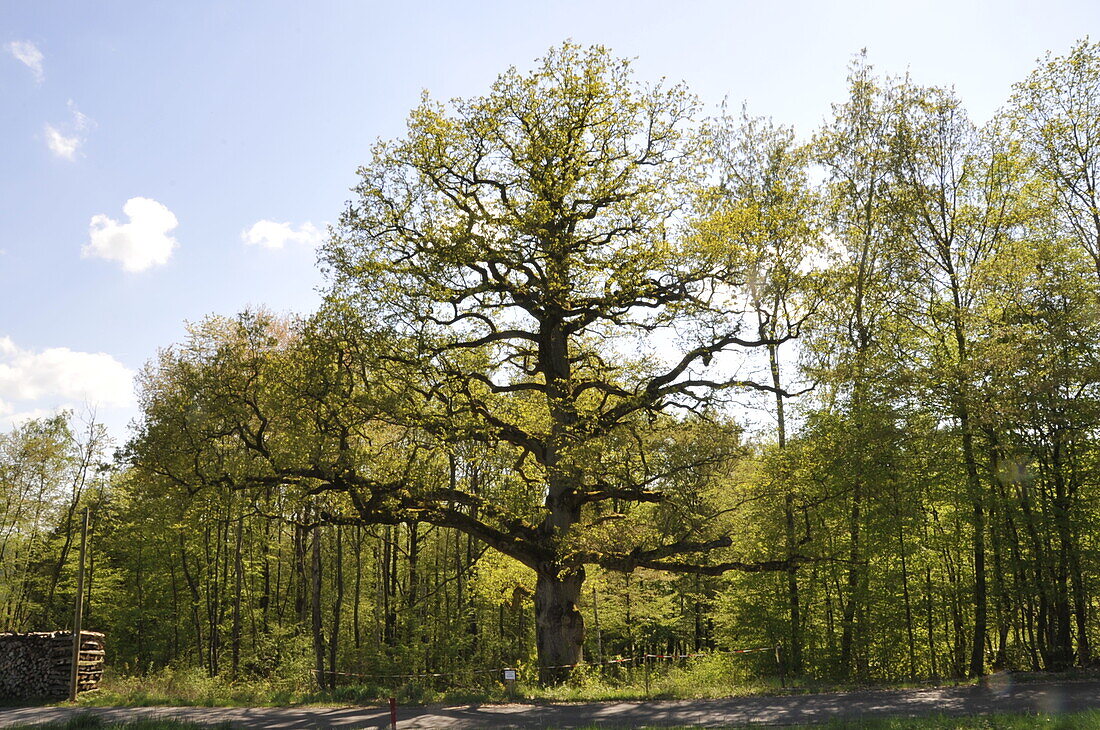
<point x="998" y="695"/>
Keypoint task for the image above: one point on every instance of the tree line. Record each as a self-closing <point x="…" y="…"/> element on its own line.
<point x="597" y="374"/>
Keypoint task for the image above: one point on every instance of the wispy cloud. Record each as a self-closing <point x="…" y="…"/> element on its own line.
<point x="138" y="245"/>
<point x="269" y="234"/>
<point x="61" y="145"/>
<point x="64" y="140"/>
<point x="28" y="54"/>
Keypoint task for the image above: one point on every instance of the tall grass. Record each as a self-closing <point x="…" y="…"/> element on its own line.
<point x="714" y="675"/>
<point x="192" y="686"/>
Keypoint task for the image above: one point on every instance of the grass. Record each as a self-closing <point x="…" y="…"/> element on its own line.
<point x="704" y="679"/>
<point x="91" y="722"/>
<point x="1076" y="721"/>
<point x="713" y="676"/>
<point x="1089" y="720"/>
<point x="716" y="675"/>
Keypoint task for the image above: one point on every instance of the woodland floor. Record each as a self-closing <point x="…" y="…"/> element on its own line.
<point x="1049" y="699"/>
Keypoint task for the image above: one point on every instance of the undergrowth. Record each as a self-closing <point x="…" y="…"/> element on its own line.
<point x="710" y="676"/>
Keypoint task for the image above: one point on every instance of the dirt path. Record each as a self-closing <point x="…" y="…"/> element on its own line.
<point x="1052" y="697"/>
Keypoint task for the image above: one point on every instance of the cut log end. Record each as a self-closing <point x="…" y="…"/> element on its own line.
<point x="39" y="665"/>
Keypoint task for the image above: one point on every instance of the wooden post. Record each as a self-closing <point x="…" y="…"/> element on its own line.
<point x="78" y="616"/>
<point x="393" y="713"/>
<point x="646" y="660"/>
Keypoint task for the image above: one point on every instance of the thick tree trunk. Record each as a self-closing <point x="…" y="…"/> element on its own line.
<point x="908" y="600"/>
<point x="973" y="481"/>
<point x="977" y="646"/>
<point x="337" y="608"/>
<point x="559" y="624"/>
<point x="794" y="655"/>
<point x="1081" y="602"/>
<point x="301" y="586"/>
<point x="238" y="577"/>
<point x="855" y="580"/>
<point x="315" y="609"/>
<point x="358" y="545"/>
<point x="196" y="600"/>
<point x="412" y="593"/>
<point x="1063" y="648"/>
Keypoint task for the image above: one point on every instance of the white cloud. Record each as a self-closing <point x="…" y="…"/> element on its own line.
<point x="65" y="140"/>
<point x="28" y="54"/>
<point x="36" y="381"/>
<point x="270" y="234"/>
<point x="18" y="419"/>
<point x="138" y="245"/>
<point x="61" y="145"/>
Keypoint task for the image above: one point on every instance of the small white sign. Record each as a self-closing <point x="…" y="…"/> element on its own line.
<point x="509" y="675"/>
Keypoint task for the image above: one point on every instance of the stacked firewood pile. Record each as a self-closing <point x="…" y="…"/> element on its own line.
<point x="40" y="664"/>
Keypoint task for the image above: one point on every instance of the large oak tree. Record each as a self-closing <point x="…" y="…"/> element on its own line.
<point x="532" y="252"/>
<point x="522" y="279"/>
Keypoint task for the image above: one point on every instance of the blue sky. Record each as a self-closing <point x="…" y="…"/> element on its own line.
<point x="144" y="141"/>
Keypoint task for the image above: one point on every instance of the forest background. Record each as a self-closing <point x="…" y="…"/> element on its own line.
<point x="507" y="438"/>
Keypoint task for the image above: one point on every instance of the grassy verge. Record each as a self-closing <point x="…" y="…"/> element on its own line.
<point x="1076" y="721"/>
<point x="708" y="677"/>
<point x="703" y="678"/>
<point x="91" y="722"/>
<point x="1089" y="720"/>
